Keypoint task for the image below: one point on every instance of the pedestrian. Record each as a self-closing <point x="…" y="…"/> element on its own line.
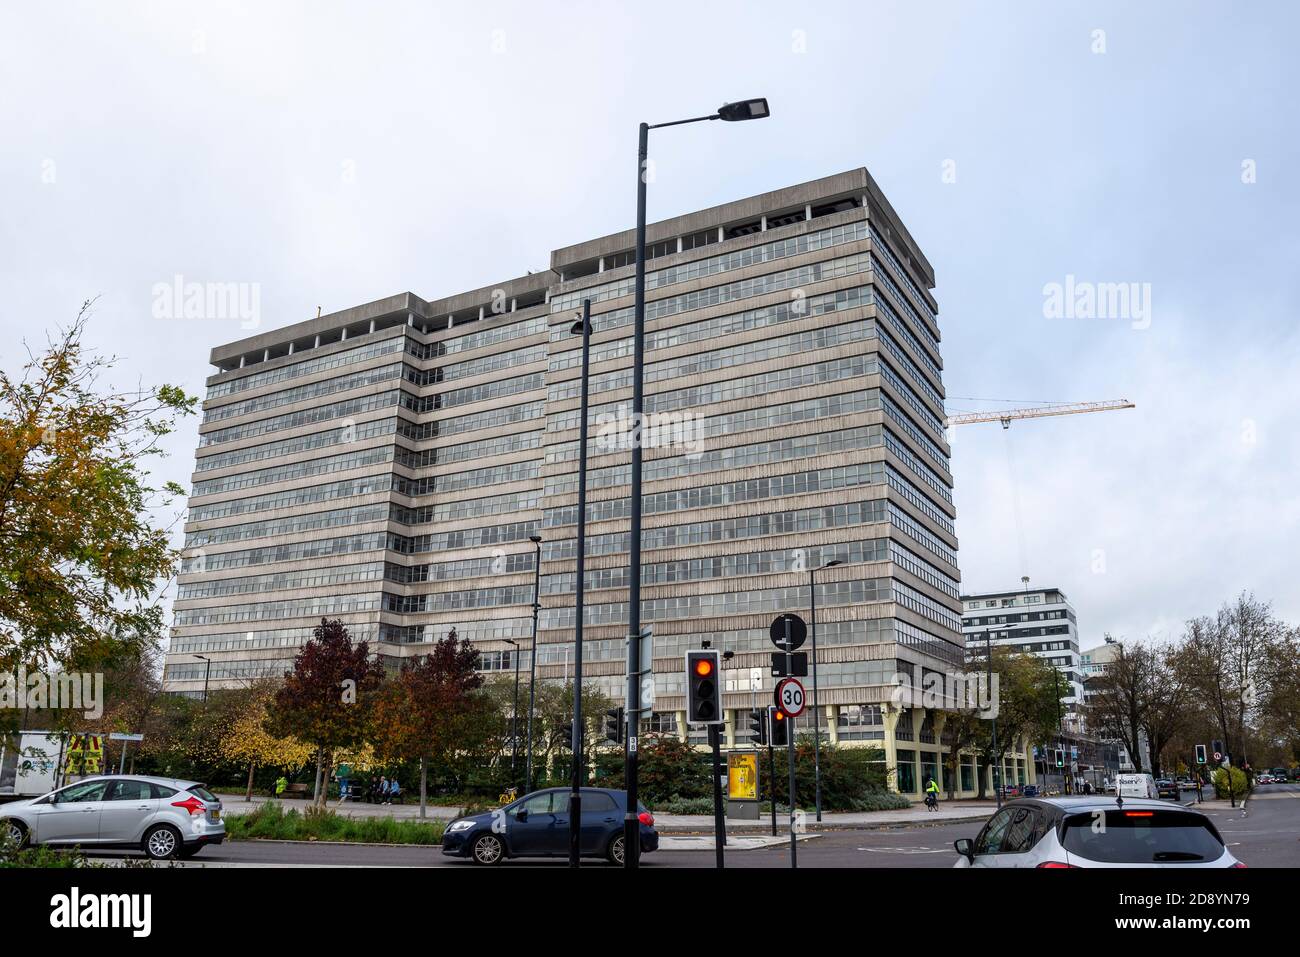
<point x="383" y="790"/>
<point x="280" y="785"/>
<point x="1087" y="787"/>
<point x="345" y="772"/>
<point x="394" y="792"/>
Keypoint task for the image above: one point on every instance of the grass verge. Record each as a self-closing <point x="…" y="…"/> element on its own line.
<point x="272" y="822"/>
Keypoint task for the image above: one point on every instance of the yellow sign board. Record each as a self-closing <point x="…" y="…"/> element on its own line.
<point x="85" y="754"/>
<point x="742" y="777"/>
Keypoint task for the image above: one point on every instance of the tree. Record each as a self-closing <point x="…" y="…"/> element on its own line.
<point x="247" y="741"/>
<point x="1166" y="712"/>
<point x="326" y="699"/>
<point x="1122" y="698"/>
<point x="554" y="711"/>
<point x="1027" y="704"/>
<point x="1228" y="658"/>
<point x="432" y="708"/>
<point x="79" y="553"/>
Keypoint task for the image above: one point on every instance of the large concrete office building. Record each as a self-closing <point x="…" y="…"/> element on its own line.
<point x="387" y="465"/>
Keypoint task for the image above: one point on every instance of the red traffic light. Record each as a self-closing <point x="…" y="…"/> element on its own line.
<point x="704" y="667"/>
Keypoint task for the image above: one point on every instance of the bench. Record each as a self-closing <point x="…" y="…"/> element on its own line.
<point x="296" y="791"/>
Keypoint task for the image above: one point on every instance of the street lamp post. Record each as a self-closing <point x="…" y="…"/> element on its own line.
<point x="743" y="110"/>
<point x="988" y="650"/>
<point x="206" y="673"/>
<point x="514" y="717"/>
<point x="583" y="327"/>
<point x="532" y="660"/>
<point x="817" y="701"/>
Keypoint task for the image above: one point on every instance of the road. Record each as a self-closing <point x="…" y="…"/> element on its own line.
<point x="1267" y="834"/>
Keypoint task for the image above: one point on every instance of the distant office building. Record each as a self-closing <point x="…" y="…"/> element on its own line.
<point x="1035" y="621"/>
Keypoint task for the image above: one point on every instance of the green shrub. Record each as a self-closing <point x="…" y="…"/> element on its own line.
<point x="1221" y="782"/>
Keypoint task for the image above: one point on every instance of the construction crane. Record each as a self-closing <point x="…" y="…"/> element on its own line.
<point x="1037" y="411"/>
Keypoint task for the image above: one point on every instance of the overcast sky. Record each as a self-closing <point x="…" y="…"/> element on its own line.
<point x="334" y="154"/>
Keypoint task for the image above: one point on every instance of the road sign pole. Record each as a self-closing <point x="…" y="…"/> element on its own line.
<point x="794" y="851"/>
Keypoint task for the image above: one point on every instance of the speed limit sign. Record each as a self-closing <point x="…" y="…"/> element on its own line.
<point x="790" y="697"/>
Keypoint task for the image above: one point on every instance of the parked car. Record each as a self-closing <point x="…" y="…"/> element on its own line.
<point x="163" y="817"/>
<point x="1264" y="779"/>
<point x="537" y="825"/>
<point x="1063" y="832"/>
<point x="1167" y="789"/>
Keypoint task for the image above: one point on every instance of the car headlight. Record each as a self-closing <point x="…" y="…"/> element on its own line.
<point x="463" y="825"/>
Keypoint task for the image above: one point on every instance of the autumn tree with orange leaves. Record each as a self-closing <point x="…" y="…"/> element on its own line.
<point x="80" y="555"/>
<point x="431" y="708"/>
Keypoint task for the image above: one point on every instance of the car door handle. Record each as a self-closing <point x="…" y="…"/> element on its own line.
<point x="142" y="807"/>
<point x="88" y="810"/>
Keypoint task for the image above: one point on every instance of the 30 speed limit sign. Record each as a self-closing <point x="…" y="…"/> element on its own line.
<point x="790" y="697"/>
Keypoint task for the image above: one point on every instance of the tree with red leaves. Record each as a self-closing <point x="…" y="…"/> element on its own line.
<point x="431" y="708"/>
<point x="328" y="697"/>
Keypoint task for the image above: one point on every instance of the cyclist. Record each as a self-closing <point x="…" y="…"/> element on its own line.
<point x="931" y="794"/>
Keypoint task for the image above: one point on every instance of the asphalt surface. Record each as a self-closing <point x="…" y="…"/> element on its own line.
<point x="1265" y="834"/>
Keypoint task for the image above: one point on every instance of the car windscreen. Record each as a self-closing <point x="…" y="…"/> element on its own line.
<point x="1117" y="836"/>
<point x="202" y="793"/>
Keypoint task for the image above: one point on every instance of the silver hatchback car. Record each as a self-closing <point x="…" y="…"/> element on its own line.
<point x="163" y="817"/>
<point x="1095" y="832"/>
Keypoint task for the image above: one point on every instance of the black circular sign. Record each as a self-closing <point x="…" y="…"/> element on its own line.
<point x="797" y="628"/>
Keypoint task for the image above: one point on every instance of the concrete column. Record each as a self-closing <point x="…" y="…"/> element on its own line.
<point x="830" y="720"/>
<point x="266" y="354"/>
<point x="600" y="265"/>
<point x="345" y="334"/>
<point x="807" y="211"/>
<point x="241" y="362"/>
<point x="482" y="311"/>
<point x="372" y="325"/>
<point x="514" y="304"/>
<point x="316" y="344"/>
<point x="938" y="719"/>
<point x="682" y="732"/>
<point x="730" y="727"/>
<point x="889" y="716"/>
<point x="679" y="244"/>
<point x="410" y="320"/>
<point x="291" y="348"/>
<point x="763" y="225"/>
<point x="722" y="234"/>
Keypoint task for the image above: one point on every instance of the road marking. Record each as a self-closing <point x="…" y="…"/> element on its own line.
<point x="907" y="850"/>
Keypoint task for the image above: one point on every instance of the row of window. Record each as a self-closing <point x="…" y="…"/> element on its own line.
<point x="308" y="366"/>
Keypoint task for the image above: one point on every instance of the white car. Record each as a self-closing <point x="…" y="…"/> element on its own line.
<point x="163" y="817"/>
<point x="1095" y="832"/>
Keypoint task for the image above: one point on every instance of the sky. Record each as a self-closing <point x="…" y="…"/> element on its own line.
<point x="331" y="154"/>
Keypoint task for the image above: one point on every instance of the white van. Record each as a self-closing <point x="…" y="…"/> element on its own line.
<point x="1138" y="786"/>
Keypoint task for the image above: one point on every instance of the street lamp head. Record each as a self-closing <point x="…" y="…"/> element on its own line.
<point x="535" y="539"/>
<point x="832" y="563"/>
<point x="744" y="110"/>
<point x="576" y="328"/>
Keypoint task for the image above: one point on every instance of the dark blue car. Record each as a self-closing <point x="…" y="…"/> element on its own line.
<point x="537" y="825"/>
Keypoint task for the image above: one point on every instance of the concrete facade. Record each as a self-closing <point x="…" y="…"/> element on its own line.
<point x="387" y="464"/>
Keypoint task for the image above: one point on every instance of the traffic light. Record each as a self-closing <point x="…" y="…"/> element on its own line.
<point x="614" y="725"/>
<point x="758" y="727"/>
<point x="1060" y="758"/>
<point x="703" y="687"/>
<point x="1200" y="754"/>
<point x="779" y="736"/>
<point x="566" y="735"/>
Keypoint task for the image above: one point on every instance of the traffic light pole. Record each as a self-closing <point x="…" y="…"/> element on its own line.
<point x="575" y="796"/>
<point x="719" y="823"/>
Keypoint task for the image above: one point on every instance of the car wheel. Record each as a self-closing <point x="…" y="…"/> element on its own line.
<point x="488" y="849"/>
<point x="615" y="851"/>
<point x="16" y="833"/>
<point x="162" y="843"/>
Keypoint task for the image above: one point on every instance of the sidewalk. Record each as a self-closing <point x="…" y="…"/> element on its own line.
<point x="949" y="812"/>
